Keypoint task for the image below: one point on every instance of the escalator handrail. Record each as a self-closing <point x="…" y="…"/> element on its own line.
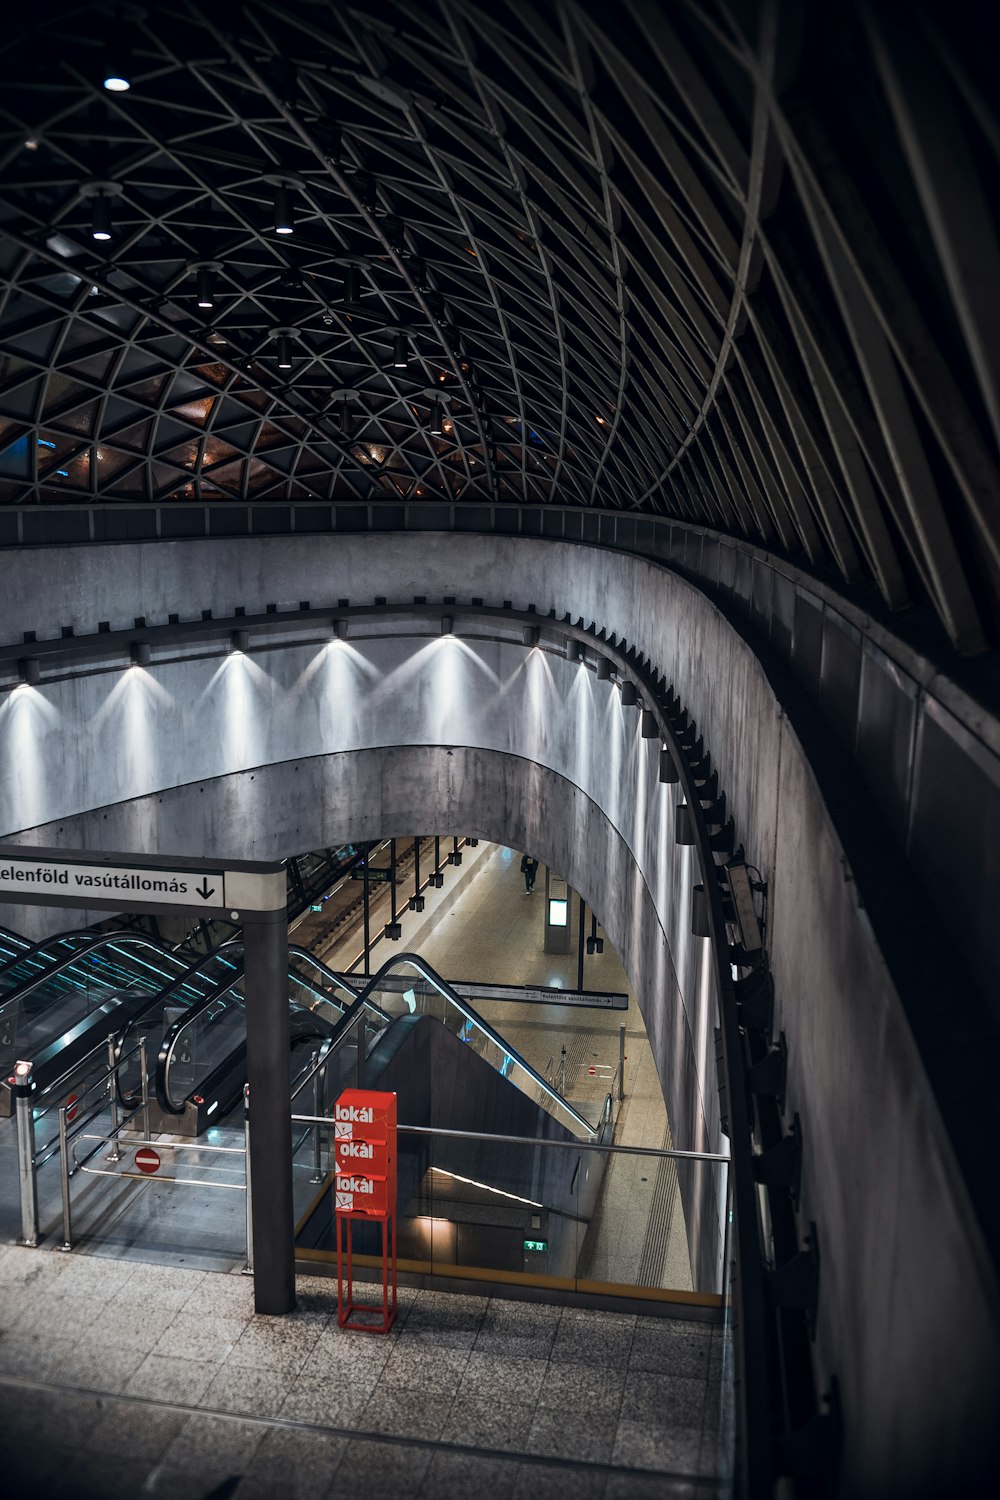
<point x="102" y="940"/>
<point x="170" y="1038"/>
<point x="423" y="967"/>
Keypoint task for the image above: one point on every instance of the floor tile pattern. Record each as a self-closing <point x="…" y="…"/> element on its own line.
<point x="127" y="1379"/>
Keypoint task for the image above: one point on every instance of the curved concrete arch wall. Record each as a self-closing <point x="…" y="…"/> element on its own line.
<point x="880" y="1177"/>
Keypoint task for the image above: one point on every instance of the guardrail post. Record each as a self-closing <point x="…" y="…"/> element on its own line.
<point x="145" y="1088"/>
<point x="114" y="1154"/>
<point x="28" y="1181"/>
<point x="317" y="1175"/>
<point x="248" y="1269"/>
<point x="621" y="1063"/>
<point x="67" y="1243"/>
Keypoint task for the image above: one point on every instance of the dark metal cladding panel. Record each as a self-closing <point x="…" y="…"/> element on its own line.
<point x="384" y="518"/>
<point x="531" y="522"/>
<point x="573" y="525"/>
<point x="52" y="526"/>
<point x="182" y="522"/>
<point x="312" y="518"/>
<point x="692" y="552"/>
<point x="432" y="518"/>
<point x="727" y="567"/>
<point x="8" y="528"/>
<point x="742" y="579"/>
<point x="625" y="533"/>
<point x="886" y="726"/>
<point x="275" y="520"/>
<point x="608" y="530"/>
<point x="761" y="577"/>
<point x="508" y="520"/>
<point x="472" y="518"/>
<point x="125" y="525"/>
<point x="955" y="836"/>
<point x="552" y="523"/>
<point x="591" y="527"/>
<point x="807" y="642"/>
<point x="840" y="676"/>
<point x="710" y="551"/>
<point x="227" y="520"/>
<point x="782" y="613"/>
<point x="352" y="518"/>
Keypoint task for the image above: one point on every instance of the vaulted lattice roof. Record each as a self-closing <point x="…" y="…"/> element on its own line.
<point x="730" y="263"/>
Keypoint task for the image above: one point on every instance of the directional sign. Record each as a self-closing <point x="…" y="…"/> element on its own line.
<point x="376" y="874"/>
<point x="147" y="1160"/>
<point x="71" y="1104"/>
<point x="365" y="1152"/>
<point x="112" y="882"/>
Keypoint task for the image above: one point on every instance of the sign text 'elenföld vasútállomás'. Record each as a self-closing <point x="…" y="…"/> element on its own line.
<point x="112" y="883"/>
<point x="364" y="1145"/>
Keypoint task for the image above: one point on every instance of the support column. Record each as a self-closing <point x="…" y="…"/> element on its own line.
<point x="265" y="940"/>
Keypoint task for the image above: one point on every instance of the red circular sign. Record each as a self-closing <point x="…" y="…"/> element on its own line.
<point x="147" y="1160"/>
<point x="71" y="1104"/>
<point x="592" y="1072"/>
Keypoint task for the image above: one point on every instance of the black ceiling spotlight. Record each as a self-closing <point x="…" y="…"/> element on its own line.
<point x="630" y="695"/>
<point x="437" y="420"/>
<point x="447" y="625"/>
<point x="284" y="338"/>
<point x="284" y="208"/>
<point x="339" y="629"/>
<point x="574" y="650"/>
<point x="649" y="729"/>
<point x="668" y="768"/>
<point x="140" y="653"/>
<point x="284" y="214"/>
<point x="352" y="284"/>
<point x="530" y="635"/>
<point x="400" y="354"/>
<point x="239" y="641"/>
<point x="346" y="419"/>
<point x="603" y="669"/>
<point x="28" y="670"/>
<point x="205" y="272"/>
<point x="115" y="72"/>
<point x="101" y="195"/>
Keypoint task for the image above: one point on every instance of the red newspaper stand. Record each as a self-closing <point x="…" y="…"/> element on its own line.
<point x="364" y="1145"/>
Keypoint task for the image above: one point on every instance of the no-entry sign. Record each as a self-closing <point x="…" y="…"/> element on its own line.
<point x="147" y="1160"/>
<point x="71" y="1104"/>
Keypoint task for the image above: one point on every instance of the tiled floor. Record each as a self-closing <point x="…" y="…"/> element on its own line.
<point x="125" y="1379"/>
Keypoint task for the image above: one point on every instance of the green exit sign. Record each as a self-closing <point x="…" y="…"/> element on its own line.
<point x="536" y="1244"/>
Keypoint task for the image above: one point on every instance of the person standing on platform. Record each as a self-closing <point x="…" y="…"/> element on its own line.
<point x="529" y="869"/>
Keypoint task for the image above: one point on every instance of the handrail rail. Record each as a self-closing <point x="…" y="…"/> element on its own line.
<point x="171" y="1037"/>
<point x="101" y="940"/>
<point x="30" y="951"/>
<point x="535" y="1140"/>
<point x="415" y="961"/>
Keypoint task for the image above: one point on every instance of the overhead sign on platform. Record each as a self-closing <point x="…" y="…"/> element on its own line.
<point x="118" y="882"/>
<point x="364" y="1148"/>
<point x="130" y="882"/>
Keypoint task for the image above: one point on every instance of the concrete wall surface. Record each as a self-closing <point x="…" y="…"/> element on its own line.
<point x="905" y="1265"/>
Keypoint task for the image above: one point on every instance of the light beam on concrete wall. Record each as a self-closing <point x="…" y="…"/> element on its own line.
<point x="26" y="718"/>
<point x="334" y="692"/>
<point x="243" y="688"/>
<point x="128" y="728"/>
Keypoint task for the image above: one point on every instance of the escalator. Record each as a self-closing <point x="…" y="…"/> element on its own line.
<point x="457" y="1079"/>
<point x="118" y="987"/>
<point x="201" y="1066"/>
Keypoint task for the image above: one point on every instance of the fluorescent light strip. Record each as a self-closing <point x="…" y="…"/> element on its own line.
<point x="471" y="1182"/>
